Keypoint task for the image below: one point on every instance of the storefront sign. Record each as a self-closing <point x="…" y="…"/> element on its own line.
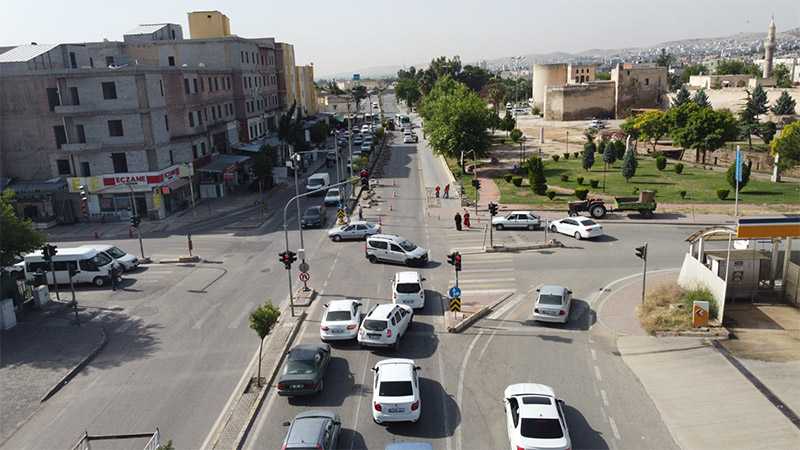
<point x="167" y="175"/>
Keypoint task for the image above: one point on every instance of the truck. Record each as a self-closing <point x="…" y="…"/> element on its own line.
<point x="645" y="204"/>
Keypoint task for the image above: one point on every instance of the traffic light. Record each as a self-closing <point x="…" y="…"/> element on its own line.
<point x="364" y="178"/>
<point x="477" y="183"/>
<point x="135" y="221"/>
<point x="451" y="258"/>
<point x="83" y="193"/>
<point x="641" y="252"/>
<point x="493" y="209"/>
<point x="292" y="257"/>
<point x="458" y="262"/>
<point x="48" y="251"/>
<point x="287" y="258"/>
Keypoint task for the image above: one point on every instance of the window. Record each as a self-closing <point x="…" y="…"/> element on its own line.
<point x="219" y="111"/>
<point x="171" y="158"/>
<point x="647" y="81"/>
<point x="191" y="119"/>
<point x="63" y="167"/>
<point x="199" y="117"/>
<point x="216" y="83"/>
<point x="161" y="87"/>
<point x="91" y="62"/>
<point x="115" y="128"/>
<point x="210" y="85"/>
<point x="186" y="86"/>
<point x="213" y="113"/>
<point x="166" y="122"/>
<point x="85" y="169"/>
<point x="202" y="148"/>
<point x="194" y="82"/>
<point x="109" y="90"/>
<point x="72" y="61"/>
<point x="80" y="133"/>
<point x="53" y="98"/>
<point x="194" y="151"/>
<point x="120" y="162"/>
<point x="171" y="60"/>
<point x="109" y="60"/>
<point x="61" y="135"/>
<point x="242" y="56"/>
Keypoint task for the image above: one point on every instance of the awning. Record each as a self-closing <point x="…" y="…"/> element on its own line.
<point x="122" y="189"/>
<point x="256" y="146"/>
<point x="33" y="188"/>
<point x="223" y="163"/>
<point x="178" y="183"/>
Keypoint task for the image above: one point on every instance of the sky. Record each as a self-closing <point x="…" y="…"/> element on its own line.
<point x="345" y="36"/>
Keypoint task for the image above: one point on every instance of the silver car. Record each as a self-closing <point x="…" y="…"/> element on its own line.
<point x="359" y="229"/>
<point x="313" y="430"/>
<point x="517" y="219"/>
<point x="552" y="304"/>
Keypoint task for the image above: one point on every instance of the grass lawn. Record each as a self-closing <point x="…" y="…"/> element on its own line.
<point x="701" y="183"/>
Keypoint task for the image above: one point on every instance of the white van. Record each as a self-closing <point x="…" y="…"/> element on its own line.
<point x="126" y="260"/>
<point x="91" y="266"/>
<point x="318" y="181"/>
<point x="396" y="249"/>
<point x="407" y="289"/>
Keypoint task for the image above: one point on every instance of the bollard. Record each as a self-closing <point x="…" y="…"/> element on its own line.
<point x="130" y="232"/>
<point x="393" y="184"/>
<point x="380" y="222"/>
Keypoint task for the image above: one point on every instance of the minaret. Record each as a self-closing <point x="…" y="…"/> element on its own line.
<point x="769" y="50"/>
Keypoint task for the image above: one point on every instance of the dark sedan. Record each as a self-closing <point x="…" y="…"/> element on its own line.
<point x="304" y="370"/>
<point x="313" y="430"/>
<point x="314" y="217"/>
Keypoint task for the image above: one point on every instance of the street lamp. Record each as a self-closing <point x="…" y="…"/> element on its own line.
<point x="135" y="213"/>
<point x="516" y="81"/>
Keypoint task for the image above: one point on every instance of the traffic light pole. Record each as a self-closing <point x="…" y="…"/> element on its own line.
<point x="135" y="213"/>
<point x="644" y="271"/>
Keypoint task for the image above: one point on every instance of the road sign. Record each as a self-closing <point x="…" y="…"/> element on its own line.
<point x="339" y="206"/>
<point x="700" y="314"/>
<point x="455" y="292"/>
<point x="356" y="77"/>
<point x="303" y="267"/>
<point x="304" y="276"/>
<point x="455" y="304"/>
<point x="738" y="166"/>
<point x="340" y="214"/>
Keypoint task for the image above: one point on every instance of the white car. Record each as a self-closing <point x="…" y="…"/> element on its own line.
<point x="126" y="260"/>
<point x="552" y="304"/>
<point x="354" y="230"/>
<point x="408" y="289"/>
<point x="366" y="146"/>
<point x="341" y="320"/>
<point x="358" y="140"/>
<point x="384" y="325"/>
<point x="333" y="196"/>
<point x="517" y="219"/>
<point x="395" y="391"/>
<point x="365" y="128"/>
<point x="408" y="139"/>
<point x="597" y="123"/>
<point x="534" y="417"/>
<point x="580" y="227"/>
<point x="375" y="105"/>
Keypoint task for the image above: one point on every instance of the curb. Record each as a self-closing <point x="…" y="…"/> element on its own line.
<point x="182" y="259"/>
<point x="261" y="395"/>
<point x="518" y="247"/>
<point x="474" y="317"/>
<point x="723" y="334"/>
<point x="77" y="368"/>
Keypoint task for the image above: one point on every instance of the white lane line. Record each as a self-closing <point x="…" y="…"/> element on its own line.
<point x="446" y="417"/>
<point x="238" y="319"/>
<point x="465" y="292"/>
<point x="261" y="420"/>
<point x="100" y="316"/>
<point x="614" y="427"/>
<point x="483" y="280"/>
<point x="460" y="392"/>
<point x="126" y="325"/>
<point x="605" y="398"/>
<point x="203" y="320"/>
<point x="360" y="396"/>
<point x="499" y="269"/>
<point x="594" y="355"/>
<point x="97" y="378"/>
<point x="597" y="372"/>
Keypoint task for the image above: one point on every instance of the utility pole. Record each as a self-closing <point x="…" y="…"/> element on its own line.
<point x="136" y="214"/>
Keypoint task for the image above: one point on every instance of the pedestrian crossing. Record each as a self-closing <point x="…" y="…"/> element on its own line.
<point x="481" y="273"/>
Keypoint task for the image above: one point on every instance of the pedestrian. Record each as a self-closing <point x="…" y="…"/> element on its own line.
<point x="447" y="191"/>
<point x="113" y="278"/>
<point x="437" y="191"/>
<point x="749" y="164"/>
<point x="457" y="218"/>
<point x="466" y="218"/>
<point x="360" y="212"/>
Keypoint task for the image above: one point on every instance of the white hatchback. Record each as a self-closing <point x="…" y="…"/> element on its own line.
<point x="384" y="325"/>
<point x="408" y="289"/>
<point x="395" y="391"/>
<point x="341" y="320"/>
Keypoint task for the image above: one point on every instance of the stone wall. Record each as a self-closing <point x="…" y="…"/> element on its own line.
<point x="733" y="99"/>
<point x="579" y="101"/>
<point x="544" y="75"/>
<point x="639" y="88"/>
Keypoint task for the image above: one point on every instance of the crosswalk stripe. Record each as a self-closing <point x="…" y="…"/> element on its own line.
<point x="126" y="325"/>
<point x="467" y="292"/>
<point x="483" y="280"/>
<point x="497" y="269"/>
<point x="199" y="323"/>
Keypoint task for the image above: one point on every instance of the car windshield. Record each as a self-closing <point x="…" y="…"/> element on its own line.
<point x="337" y="316"/>
<point x="369" y="225"/>
<point x="541" y="429"/>
<point x="115" y="253"/>
<point x="100" y="260"/>
<point x="407" y="246"/>
<point x="333" y="192"/>
<point x="299" y="366"/>
<point x="374" y="325"/>
<point x="407" y="288"/>
<point x="311" y="213"/>
<point x="549" y="299"/>
<point x="395" y="389"/>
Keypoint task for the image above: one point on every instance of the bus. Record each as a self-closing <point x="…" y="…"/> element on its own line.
<point x="402" y="121"/>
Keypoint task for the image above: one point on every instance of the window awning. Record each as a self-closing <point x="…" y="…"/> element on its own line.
<point x="256" y="145"/>
<point x="223" y="163"/>
<point x="34" y="188"/>
<point x="177" y="184"/>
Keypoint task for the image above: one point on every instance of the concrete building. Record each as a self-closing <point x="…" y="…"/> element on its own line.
<point x="208" y="24"/>
<point x="305" y="89"/>
<point x="154" y="118"/>
<point x="289" y="87"/>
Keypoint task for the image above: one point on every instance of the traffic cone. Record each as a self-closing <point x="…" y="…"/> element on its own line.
<point x="96" y="236"/>
<point x="380" y="222"/>
<point x="393" y="184"/>
<point x="394" y="193"/>
<point x="439" y="218"/>
<point x="390" y="207"/>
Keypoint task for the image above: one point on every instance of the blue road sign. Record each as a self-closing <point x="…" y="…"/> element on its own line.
<point x="339" y="205"/>
<point x="738" y="166"/>
<point x="356" y="77"/>
<point x="455" y="292"/>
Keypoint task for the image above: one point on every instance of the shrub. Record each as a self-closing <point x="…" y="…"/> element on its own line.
<point x="661" y="162"/>
<point x="682" y="192"/>
<point x="507" y="177"/>
<point x="575" y="154"/>
<point x="701" y="294"/>
<point x="555" y="158"/>
<point x="678" y="168"/>
<point x="579" y="179"/>
<point x="564" y="177"/>
<point x="550" y="194"/>
<point x="594" y="183"/>
<point x="657" y="154"/>
<point x="731" y="176"/>
<point x="581" y="193"/>
<point x="517" y="181"/>
<point x="636" y="189"/>
<point x="723" y="193"/>
<point x="566" y="155"/>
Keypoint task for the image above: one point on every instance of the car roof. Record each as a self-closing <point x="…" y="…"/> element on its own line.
<point x="520" y="212"/>
<point x="406" y="276"/>
<point x="557" y="290"/>
<point x="381" y="311"/>
<point x="388" y="237"/>
<point x="308" y="426"/>
<point x="396" y="369"/>
<point x="341" y="305"/>
<point x="306" y="351"/>
<point x="528" y="389"/>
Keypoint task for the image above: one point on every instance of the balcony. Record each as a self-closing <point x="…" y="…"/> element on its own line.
<point x="95" y="145"/>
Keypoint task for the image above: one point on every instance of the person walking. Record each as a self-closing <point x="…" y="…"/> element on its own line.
<point x="360" y="212"/>
<point x="457" y="218"/>
<point x="447" y="191"/>
<point x="113" y="278"/>
<point x="466" y="218"/>
<point x="437" y="191"/>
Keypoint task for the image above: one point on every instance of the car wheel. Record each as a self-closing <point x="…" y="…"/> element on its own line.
<point x="408" y="263"/>
<point x="366" y="236"/>
<point x="396" y="346"/>
<point x="499" y="226"/>
<point x="531" y="227"/>
<point x="99" y="281"/>
<point x="337" y="238"/>
<point x="321" y="386"/>
<point x="553" y="229"/>
<point x="373" y="259"/>
<point x="578" y="235"/>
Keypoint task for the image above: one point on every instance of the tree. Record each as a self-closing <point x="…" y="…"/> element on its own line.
<point x="630" y="129"/>
<point x="629" y="165"/>
<point x="508" y="123"/>
<point x="664" y="59"/>
<point x="496" y="92"/>
<point x="590" y="133"/>
<point x="788" y="146"/>
<point x="767" y="131"/>
<point x="610" y="154"/>
<point x="358" y="92"/>
<point x="456" y="119"/>
<point x="682" y="97"/>
<point x="263" y="162"/>
<point x="17" y="236"/>
<point x="262" y="319"/>
<point x="516" y="135"/>
<point x="755" y="106"/>
<point x="701" y="99"/>
<point x="695" y="69"/>
<point x="535" y="166"/>
<point x="319" y="132"/>
<point x="702" y="129"/>
<point x="408" y="91"/>
<point x="495" y="121"/>
<point x="784" y="105"/>
<point x="781" y="73"/>
<point x="588" y="155"/>
<point x="731" y="67"/>
<point x="652" y="125"/>
<point x="474" y="77"/>
<point x="731" y="176"/>
<point x="619" y="149"/>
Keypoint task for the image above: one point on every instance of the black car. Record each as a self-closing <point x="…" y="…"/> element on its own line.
<point x="314" y="217"/>
<point x="304" y="370"/>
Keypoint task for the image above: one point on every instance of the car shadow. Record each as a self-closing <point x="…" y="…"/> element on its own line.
<point x="604" y="238"/>
<point x="419" y="342"/>
<point x="438" y="418"/>
<point x="351" y="439"/>
<point x="581" y="433"/>
<point x="429" y="309"/>
<point x="338" y="384"/>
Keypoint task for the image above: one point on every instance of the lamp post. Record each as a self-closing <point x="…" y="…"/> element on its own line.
<point x="135" y="213"/>
<point x="567" y="142"/>
<point x="474" y="174"/>
<point x="516" y="81"/>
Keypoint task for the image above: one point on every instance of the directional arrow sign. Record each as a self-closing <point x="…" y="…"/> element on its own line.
<point x="455" y="304"/>
<point x="455" y="292"/>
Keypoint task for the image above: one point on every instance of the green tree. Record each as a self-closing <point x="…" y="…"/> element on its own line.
<point x="263" y="162"/>
<point x="17" y="236"/>
<point x="408" y="91"/>
<point x="262" y="320"/>
<point x="630" y="129"/>
<point x="588" y="155"/>
<point x="535" y="166"/>
<point x="629" y="165"/>
<point x="781" y="73"/>
<point x="598" y="76"/>
<point x="755" y="106"/>
<point x="701" y="99"/>
<point x="731" y="67"/>
<point x="508" y="123"/>
<point x="495" y="121"/>
<point x="731" y="176"/>
<point x="788" y="146"/>
<point x="702" y="129"/>
<point x="497" y="93"/>
<point x="767" y="131"/>
<point x="665" y="59"/>
<point x="784" y="105"/>
<point x="319" y="132"/>
<point x="695" y="69"/>
<point x="610" y="154"/>
<point x="358" y="92"/>
<point x="682" y="97"/>
<point x="652" y="125"/>
<point x="619" y="149"/>
<point x="516" y="135"/>
<point x="474" y="77"/>
<point x="456" y="119"/>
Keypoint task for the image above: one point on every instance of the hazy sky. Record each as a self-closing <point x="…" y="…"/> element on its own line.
<point x="346" y="36"/>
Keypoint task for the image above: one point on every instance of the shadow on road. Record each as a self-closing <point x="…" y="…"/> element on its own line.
<point x="581" y="433"/>
<point x="431" y="424"/>
<point x="338" y="384"/>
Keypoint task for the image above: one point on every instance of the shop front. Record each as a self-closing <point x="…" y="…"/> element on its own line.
<point x="222" y="175"/>
<point x="46" y="203"/>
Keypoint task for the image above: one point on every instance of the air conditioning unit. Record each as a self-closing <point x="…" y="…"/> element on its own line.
<point x="41" y="296"/>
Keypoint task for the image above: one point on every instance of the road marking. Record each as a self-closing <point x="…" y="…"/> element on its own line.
<point x="460" y="391"/>
<point x="97" y="378"/>
<point x="467" y="292"/>
<point x="614" y="427"/>
<point x="605" y="399"/>
<point x="238" y="319"/>
<point x="597" y="372"/>
<point x="499" y="269"/>
<point x="361" y="395"/>
<point x="200" y="322"/>
<point x="483" y="280"/>
<point x="444" y="402"/>
<point x="126" y="325"/>
<point x="594" y="355"/>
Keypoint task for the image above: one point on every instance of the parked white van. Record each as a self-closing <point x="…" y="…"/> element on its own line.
<point x="90" y="265"/>
<point x="318" y="181"/>
<point x="126" y="260"/>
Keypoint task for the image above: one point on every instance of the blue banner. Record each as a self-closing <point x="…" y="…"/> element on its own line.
<point x="738" y="166"/>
